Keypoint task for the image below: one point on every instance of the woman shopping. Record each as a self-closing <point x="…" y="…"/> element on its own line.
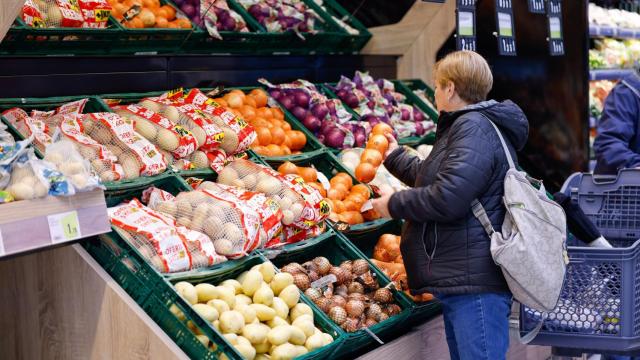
<point x="444" y="247"/>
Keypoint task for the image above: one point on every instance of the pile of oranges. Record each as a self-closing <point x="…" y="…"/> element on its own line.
<point x="372" y="155"/>
<point x="275" y="136"/>
<point x="345" y="198"/>
<point x="152" y="15"/>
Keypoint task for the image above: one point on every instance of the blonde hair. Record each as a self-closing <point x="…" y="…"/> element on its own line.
<point x="469" y="73"/>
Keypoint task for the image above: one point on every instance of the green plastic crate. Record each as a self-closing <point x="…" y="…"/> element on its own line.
<point x="350" y="43"/>
<point x="337" y="249"/>
<point x="321" y="319"/>
<point x="366" y="241"/>
<point x="64" y="41"/>
<point x="13" y="39"/>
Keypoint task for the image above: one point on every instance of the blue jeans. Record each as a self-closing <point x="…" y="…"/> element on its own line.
<point x="477" y="325"/>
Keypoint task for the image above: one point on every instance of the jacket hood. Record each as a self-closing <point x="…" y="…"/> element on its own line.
<point x="510" y="119"/>
<point x="506" y="115"/>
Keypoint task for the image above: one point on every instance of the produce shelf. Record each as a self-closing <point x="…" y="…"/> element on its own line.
<point x="614" y="32"/>
<point x="609" y="74"/>
<point x="38" y="224"/>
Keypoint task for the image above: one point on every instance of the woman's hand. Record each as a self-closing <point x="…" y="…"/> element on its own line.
<point x="381" y="204"/>
<point x="393" y="144"/>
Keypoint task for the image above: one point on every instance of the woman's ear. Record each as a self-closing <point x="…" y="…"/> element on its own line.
<point x="450" y="90"/>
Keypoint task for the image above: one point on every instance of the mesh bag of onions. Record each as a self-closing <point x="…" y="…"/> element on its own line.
<point x="215" y="16"/>
<point x="136" y="154"/>
<point x="238" y="134"/>
<point x="302" y="206"/>
<point x="233" y="227"/>
<point x="208" y="136"/>
<point x="161" y="243"/>
<point x="156" y="128"/>
<point x="68" y="160"/>
<point x="282" y="15"/>
<point x="103" y="161"/>
<point x="28" y="126"/>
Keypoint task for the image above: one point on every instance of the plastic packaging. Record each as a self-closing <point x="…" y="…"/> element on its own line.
<point x="28" y="126"/>
<point x="72" y="165"/>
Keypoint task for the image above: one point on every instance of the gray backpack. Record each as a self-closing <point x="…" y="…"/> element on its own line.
<point x="530" y="249"/>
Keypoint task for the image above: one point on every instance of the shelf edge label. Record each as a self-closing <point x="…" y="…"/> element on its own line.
<point x="64" y="227"/>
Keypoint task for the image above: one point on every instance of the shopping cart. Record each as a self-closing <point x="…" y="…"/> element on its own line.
<point x="599" y="307"/>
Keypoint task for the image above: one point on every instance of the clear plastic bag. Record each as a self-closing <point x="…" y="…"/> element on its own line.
<point x="71" y="164"/>
<point x="32" y="178"/>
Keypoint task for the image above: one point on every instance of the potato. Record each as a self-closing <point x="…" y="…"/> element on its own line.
<point x="264" y="295"/>
<point x="243" y="341"/>
<point x="203" y="339"/>
<point x="315" y="341"/>
<point x="256" y="333"/>
<point x="280" y="281"/>
<point x="251" y="282"/>
<point x="243" y="300"/>
<point x="206" y="292"/>
<point x="231" y="338"/>
<point x="216" y="325"/>
<point x="268" y="271"/>
<point x="187" y="291"/>
<point x="281" y="308"/>
<point x="298" y="337"/>
<point x="261" y="356"/>
<point x="196" y="330"/>
<point x="247" y="352"/>
<point x="220" y="305"/>
<point x="277" y="321"/>
<point x="177" y="312"/>
<point x="300" y="309"/>
<point x="247" y="312"/>
<point x="290" y="295"/>
<point x="284" y="352"/>
<point x="279" y="334"/>
<point x="263" y="347"/>
<point x="227" y="294"/>
<point x="328" y="339"/>
<point x="231" y="322"/>
<point x="301" y="350"/>
<point x="209" y="313"/>
<point x="305" y="325"/>
<point x="263" y="312"/>
<point x="235" y="284"/>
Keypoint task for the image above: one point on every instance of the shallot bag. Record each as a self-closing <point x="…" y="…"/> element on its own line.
<point x="136" y="154"/>
<point x="302" y="206"/>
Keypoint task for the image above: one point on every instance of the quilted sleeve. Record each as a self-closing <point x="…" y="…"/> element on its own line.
<point x="403" y="165"/>
<point x="465" y="172"/>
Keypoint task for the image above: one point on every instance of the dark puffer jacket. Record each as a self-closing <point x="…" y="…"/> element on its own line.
<point x="444" y="247"/>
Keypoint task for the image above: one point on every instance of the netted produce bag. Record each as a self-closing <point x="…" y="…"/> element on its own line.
<point x="157" y="241"/>
<point x="233" y="227"/>
<point x="32" y="178"/>
<point x="5" y="137"/>
<point x="156" y="128"/>
<point x="292" y="234"/>
<point x="53" y="118"/>
<point x="325" y="117"/>
<point x="28" y="126"/>
<point x="136" y="154"/>
<point x="95" y="13"/>
<point x="53" y="13"/>
<point x="208" y="136"/>
<point x="103" y="161"/>
<point x="72" y="165"/>
<point x="269" y="211"/>
<point x="302" y="206"/>
<point x="238" y="134"/>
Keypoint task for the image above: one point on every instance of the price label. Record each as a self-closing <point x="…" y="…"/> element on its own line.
<point x="554" y="16"/>
<point x="504" y="24"/>
<point x="465" y="24"/>
<point x="555" y="28"/>
<point x="64" y="227"/>
<point x="536" y="6"/>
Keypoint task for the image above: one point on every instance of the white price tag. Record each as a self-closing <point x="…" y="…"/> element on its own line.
<point x="64" y="227"/>
<point x="504" y="24"/>
<point x="465" y="23"/>
<point x="555" y="30"/>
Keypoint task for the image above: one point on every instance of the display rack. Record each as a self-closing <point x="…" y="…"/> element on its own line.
<point x="613" y="32"/>
<point x="39" y="224"/>
<point x="608" y="74"/>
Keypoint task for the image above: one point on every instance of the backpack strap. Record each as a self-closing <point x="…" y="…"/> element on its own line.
<point x="504" y="144"/>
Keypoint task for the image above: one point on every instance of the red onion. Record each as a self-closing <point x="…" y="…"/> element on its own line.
<point x="352" y="101"/>
<point x="405" y="114"/>
<point x="276" y="94"/>
<point x="335" y="138"/>
<point x="360" y="136"/>
<point x="287" y="102"/>
<point x="299" y="112"/>
<point x="372" y="120"/>
<point x="326" y="127"/>
<point x="189" y="10"/>
<point x="312" y="123"/>
<point x="229" y="24"/>
<point x="418" y="115"/>
<point x="371" y="104"/>
<point x="419" y="129"/>
<point x="320" y="110"/>
<point x="342" y="94"/>
<point x="302" y="99"/>
<point x="321" y="139"/>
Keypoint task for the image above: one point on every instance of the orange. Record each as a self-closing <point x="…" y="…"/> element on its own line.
<point x="118" y="11"/>
<point x="264" y="135"/>
<point x="161" y="22"/>
<point x="259" y="122"/>
<point x="248" y="100"/>
<point x="184" y="24"/>
<point x="260" y="96"/>
<point x="285" y="125"/>
<point x="151" y="4"/>
<point x="340" y="187"/>
<point x="361" y="190"/>
<point x="130" y="3"/>
<point x="161" y="12"/>
<point x="285" y="150"/>
<point x="173" y="25"/>
<point x="221" y="102"/>
<point x="264" y="112"/>
<point x="277" y="135"/>
<point x="274" y="150"/>
<point x="338" y="206"/>
<point x="308" y="174"/>
<point x="277" y="113"/>
<point x="248" y="112"/>
<point x="287" y="141"/>
<point x="135" y="23"/>
<point x="171" y="12"/>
